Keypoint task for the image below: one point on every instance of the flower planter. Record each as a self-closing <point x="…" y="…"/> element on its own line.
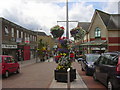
<point x="57" y="33"/>
<point x="61" y="75"/>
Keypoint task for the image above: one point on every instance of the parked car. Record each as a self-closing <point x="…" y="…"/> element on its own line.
<point x="87" y="63"/>
<point x="8" y="65"/>
<point x="107" y="70"/>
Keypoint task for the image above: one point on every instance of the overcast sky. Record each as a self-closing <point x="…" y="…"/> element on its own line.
<point x="44" y="14"/>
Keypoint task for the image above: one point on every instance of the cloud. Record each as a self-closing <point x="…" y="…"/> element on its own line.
<point x="37" y="14"/>
<point x="111" y="6"/>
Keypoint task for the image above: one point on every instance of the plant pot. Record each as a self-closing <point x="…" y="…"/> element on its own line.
<point x="61" y="75"/>
<point x="57" y="33"/>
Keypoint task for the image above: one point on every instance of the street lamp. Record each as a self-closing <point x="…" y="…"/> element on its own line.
<point x="67" y="24"/>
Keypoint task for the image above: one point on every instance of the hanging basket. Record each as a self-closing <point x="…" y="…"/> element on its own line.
<point x="57" y="31"/>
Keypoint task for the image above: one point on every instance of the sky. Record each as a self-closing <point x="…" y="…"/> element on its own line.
<point x="42" y="15"/>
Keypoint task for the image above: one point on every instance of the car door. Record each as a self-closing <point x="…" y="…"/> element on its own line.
<point x="104" y="69"/>
<point x="98" y="67"/>
<point x="14" y="64"/>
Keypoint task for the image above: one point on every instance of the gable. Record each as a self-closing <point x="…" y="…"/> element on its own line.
<point x="97" y="22"/>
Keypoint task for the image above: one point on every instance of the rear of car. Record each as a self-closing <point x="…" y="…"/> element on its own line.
<point x="107" y="70"/>
<point x="8" y="65"/>
<point x="88" y="63"/>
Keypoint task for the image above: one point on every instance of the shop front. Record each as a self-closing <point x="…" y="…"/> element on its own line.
<point x="8" y="49"/>
<point x="95" y="46"/>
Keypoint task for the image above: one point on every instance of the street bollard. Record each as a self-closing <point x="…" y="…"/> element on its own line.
<point x="68" y="78"/>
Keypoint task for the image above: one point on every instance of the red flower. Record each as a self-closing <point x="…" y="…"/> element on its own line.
<point x="62" y="28"/>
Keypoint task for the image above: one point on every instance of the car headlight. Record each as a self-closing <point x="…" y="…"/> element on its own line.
<point x="89" y="65"/>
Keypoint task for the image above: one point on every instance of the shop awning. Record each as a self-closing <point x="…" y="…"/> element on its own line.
<point x="94" y="43"/>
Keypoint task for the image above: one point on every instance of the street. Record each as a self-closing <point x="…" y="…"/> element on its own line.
<point x="40" y="75"/>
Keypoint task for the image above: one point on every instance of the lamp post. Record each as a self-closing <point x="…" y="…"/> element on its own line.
<point x="67" y="24"/>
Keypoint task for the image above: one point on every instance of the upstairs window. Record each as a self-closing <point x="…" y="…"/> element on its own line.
<point x="97" y="32"/>
<point x="21" y="34"/>
<point x="6" y="31"/>
<point x="12" y="29"/>
<point x="17" y="33"/>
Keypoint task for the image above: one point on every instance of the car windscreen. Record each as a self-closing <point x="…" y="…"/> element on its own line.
<point x="92" y="58"/>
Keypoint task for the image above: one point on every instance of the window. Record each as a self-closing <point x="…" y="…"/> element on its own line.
<point x="113" y="60"/>
<point x="6" y="30"/>
<point x="104" y="60"/>
<point x="21" y="34"/>
<point x="12" y="34"/>
<point x="0" y="59"/>
<point x="33" y="38"/>
<point x="7" y="59"/>
<point x="25" y="36"/>
<point x="97" y="32"/>
<point x="17" y="33"/>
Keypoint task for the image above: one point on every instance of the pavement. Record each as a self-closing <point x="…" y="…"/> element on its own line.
<point x="77" y="83"/>
<point x="32" y="61"/>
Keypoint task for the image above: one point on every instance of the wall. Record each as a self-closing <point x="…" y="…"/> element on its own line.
<point x="114" y="40"/>
<point x="97" y="23"/>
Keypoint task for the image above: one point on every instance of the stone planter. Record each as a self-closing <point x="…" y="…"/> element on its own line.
<point x="61" y="75"/>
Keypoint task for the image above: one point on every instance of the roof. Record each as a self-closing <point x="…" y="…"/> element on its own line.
<point x="114" y="22"/>
<point x="84" y="25"/>
<point x="42" y="33"/>
<point x="111" y="21"/>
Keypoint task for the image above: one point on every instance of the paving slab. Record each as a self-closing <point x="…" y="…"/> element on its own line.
<point x="77" y="83"/>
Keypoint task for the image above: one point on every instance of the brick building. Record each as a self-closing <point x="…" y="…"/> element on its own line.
<point x="103" y="33"/>
<point x="17" y="40"/>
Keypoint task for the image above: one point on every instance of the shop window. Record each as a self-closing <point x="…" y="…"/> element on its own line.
<point x="6" y="31"/>
<point x="97" y="32"/>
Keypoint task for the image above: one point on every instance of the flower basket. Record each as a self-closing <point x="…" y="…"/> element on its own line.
<point x="77" y="33"/>
<point x="57" y="31"/>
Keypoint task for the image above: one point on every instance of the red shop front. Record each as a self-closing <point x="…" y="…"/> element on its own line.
<point x="26" y="52"/>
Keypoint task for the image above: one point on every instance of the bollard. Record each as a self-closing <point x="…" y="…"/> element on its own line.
<point x="68" y="78"/>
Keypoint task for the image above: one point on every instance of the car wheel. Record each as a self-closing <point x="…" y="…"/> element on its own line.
<point x="82" y="69"/>
<point x="18" y="70"/>
<point x="86" y="72"/>
<point x="6" y="74"/>
<point x="94" y="77"/>
<point x="110" y="85"/>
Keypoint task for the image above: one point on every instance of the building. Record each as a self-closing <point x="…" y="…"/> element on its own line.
<point x="85" y="26"/>
<point x="103" y="33"/>
<point x="0" y="37"/>
<point x="17" y="40"/>
<point x="47" y="40"/>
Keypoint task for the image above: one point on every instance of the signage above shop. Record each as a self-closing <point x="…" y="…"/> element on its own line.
<point x="9" y="46"/>
<point x="18" y="40"/>
<point x="96" y="48"/>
